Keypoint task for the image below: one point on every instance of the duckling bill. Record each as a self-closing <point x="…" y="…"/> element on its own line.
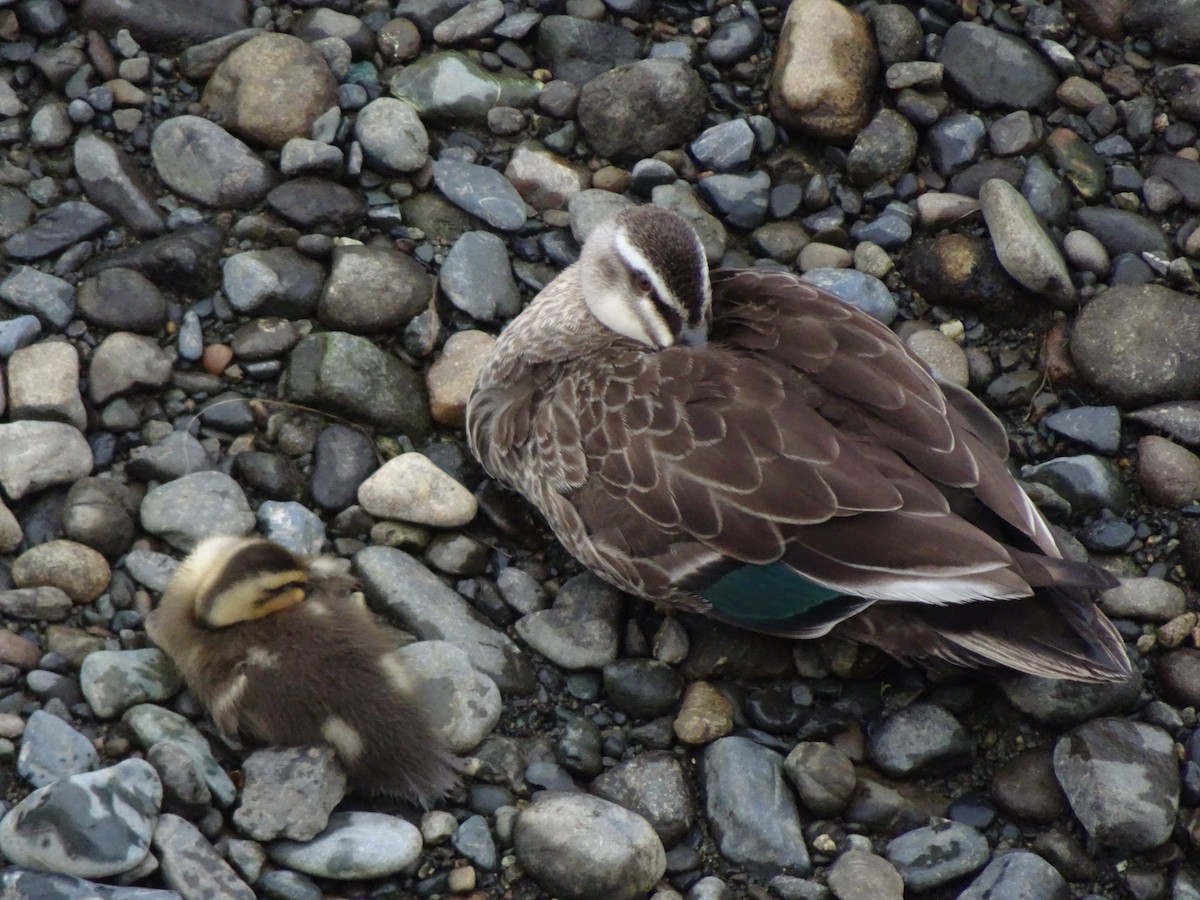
<point x="280" y="650"/>
<point x="744" y="444"/>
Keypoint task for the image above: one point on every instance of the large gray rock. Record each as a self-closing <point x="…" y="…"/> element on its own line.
<point x="996" y="69"/>
<point x="637" y="109"/>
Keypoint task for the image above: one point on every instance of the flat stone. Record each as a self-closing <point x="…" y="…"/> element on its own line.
<point x="355" y="846"/>
<point x="289" y="792"/>
<point x="191" y="865"/>
<point x="401" y="586"/>
<point x="115" y="680"/>
<point x="92" y="825"/>
<point x="202" y="161"/>
<point x="196" y="506"/>
<point x="37" y="455"/>
<point x="463" y="705"/>
<point x="931" y="856"/>
<point x="52" y="750"/>
<point x="580" y="631"/>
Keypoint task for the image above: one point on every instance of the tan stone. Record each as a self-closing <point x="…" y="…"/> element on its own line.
<point x="452" y="377"/>
<point x="271" y="89"/>
<point x="79" y="571"/>
<point x="704" y="715"/>
<point x="825" y="70"/>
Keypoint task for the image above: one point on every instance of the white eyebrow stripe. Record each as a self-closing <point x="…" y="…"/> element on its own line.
<point x="637" y="261"/>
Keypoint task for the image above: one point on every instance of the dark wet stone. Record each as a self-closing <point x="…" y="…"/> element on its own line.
<point x="273" y="282"/>
<point x="1123" y="231"/>
<point x="114" y="182"/>
<point x="348" y="375"/>
<point x="315" y="204"/>
<point x="959" y="270"/>
<point x="1066" y="703"/>
<point x="265" y="338"/>
<point x="578" y="50"/>
<point x="122" y="300"/>
<point x="1180" y="419"/>
<point x="163" y="24"/>
<point x="186" y="260"/>
<point x="1182" y="173"/>
<point x="883" y="150"/>
<point x="1026" y="787"/>
<point x="642" y="688"/>
<point x="638" y="109"/>
<point x="733" y="41"/>
<point x="56" y="230"/>
<point x="1172" y="25"/>
<point x="954" y="142"/>
<point x="973" y="54"/>
<point x="897" y="32"/>
<point x="741" y="200"/>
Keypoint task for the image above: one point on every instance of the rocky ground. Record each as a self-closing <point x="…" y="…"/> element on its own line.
<point x="252" y="251"/>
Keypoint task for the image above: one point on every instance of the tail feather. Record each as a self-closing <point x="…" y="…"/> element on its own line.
<point x="1057" y="634"/>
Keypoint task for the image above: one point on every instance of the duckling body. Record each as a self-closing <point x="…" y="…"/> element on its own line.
<point x="279" y="650"/>
<point x="747" y="445"/>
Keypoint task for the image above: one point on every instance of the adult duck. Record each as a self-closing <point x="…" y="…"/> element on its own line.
<point x="747" y="445"/>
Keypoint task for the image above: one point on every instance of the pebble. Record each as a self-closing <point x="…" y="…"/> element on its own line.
<point x="704" y="715"/>
<point x="580" y="847"/>
<point x="1066" y="703"/>
<point x="409" y="592"/>
<point x="752" y="814"/>
<point x="196" y="506"/>
<point x="79" y="571"/>
<point x="581" y="630"/>
<point x="124" y="363"/>
<point x="480" y="191"/>
<point x="412" y="489"/>
<point x="1168" y="473"/>
<point x="638" y="109"/>
<point x="653" y="786"/>
<point x="349" y="376"/>
<point x="393" y="138"/>
<point x="152" y="725"/>
<point x="50" y="298"/>
<point x="115" y="680"/>
<point x="1022" y="246"/>
<point x="355" y="845"/>
<point x="463" y="704"/>
<point x="52" y="750"/>
<point x="452" y="376"/>
<point x="37" y="455"/>
<point x="477" y="278"/>
<point x="860" y="875"/>
<point x="860" y="290"/>
<point x="1122" y="781"/>
<point x="190" y="864"/>
<point x="289" y="792"/>
<point x="278" y="281"/>
<point x="824" y="71"/>
<point x="27" y="884"/>
<point x="823" y="777"/>
<point x="372" y="290"/>
<point x="57" y="229"/>
<point x="202" y="161"/>
<point x="1026" y="787"/>
<point x="91" y="825"/>
<point x="1147" y="599"/>
<point x="1015" y="876"/>
<point x="930" y="856"/>
<point x="972" y="51"/>
<point x="1096" y="427"/>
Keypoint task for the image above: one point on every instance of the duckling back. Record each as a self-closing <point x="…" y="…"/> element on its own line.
<point x="280" y="651"/>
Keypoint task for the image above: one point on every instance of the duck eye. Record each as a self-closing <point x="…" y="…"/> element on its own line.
<point x="642" y="283"/>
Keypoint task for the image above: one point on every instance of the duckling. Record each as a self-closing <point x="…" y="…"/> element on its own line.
<point x="744" y="444"/>
<point x="281" y="650"/>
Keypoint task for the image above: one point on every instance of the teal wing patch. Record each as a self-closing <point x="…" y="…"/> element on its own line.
<point x="759" y="595"/>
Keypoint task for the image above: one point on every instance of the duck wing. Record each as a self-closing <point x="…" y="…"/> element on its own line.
<point x="800" y="468"/>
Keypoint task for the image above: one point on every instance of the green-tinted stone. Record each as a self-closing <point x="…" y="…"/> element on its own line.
<point x="1081" y="165"/>
<point x="349" y="376"/>
<point x="450" y="87"/>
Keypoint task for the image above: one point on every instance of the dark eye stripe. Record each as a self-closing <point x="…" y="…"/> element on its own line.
<point x="669" y="313"/>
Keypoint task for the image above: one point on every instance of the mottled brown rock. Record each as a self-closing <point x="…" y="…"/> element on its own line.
<point x="1168" y="473"/>
<point x="1025" y="787"/>
<point x="962" y="272"/>
<point x="271" y="89"/>
<point x="824" y="72"/>
<point x="1104" y="18"/>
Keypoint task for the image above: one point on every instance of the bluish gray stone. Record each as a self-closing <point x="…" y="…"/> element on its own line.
<point x="46" y="296"/>
<point x="196" y="506"/>
<point x="474" y="841"/>
<point x="1122" y="780"/>
<point x="151" y="724"/>
<point x="481" y="191"/>
<point x="64" y="225"/>
<point x="407" y="590"/>
<point x="477" y="277"/>
<point x="751" y="809"/>
<point x="293" y="525"/>
<point x="114" y="680"/>
<point x="355" y="846"/>
<point x="931" y="856"/>
<point x="1017" y="876"/>
<point x="191" y="865"/>
<point x="866" y="292"/>
<point x="52" y="750"/>
<point x="920" y="737"/>
<point x="91" y="825"/>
